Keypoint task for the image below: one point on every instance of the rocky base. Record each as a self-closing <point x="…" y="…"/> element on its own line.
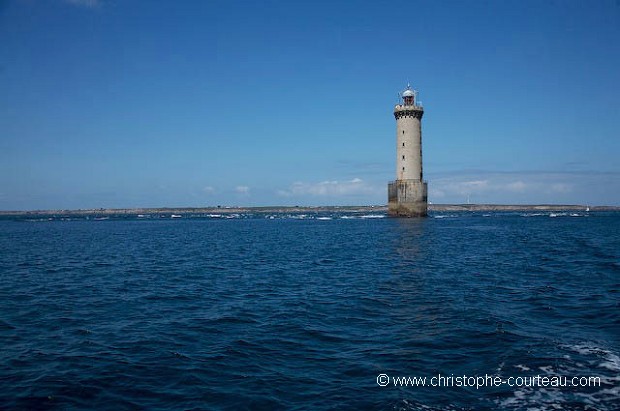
<point x="407" y="198"/>
<point x="407" y="210"/>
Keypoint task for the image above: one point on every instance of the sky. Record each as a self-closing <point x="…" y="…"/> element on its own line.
<point x="148" y="103"/>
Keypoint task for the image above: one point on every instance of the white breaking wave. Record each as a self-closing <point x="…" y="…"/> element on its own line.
<point x="543" y="399"/>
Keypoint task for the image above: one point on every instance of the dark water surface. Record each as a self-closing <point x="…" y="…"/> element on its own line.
<point x="285" y="313"/>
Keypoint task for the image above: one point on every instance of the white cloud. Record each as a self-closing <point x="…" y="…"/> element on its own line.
<point x="330" y="188"/>
<point x="245" y="190"/>
<point x="85" y="3"/>
<point x="208" y="190"/>
<point x="517" y="186"/>
<point x="561" y="188"/>
<point x="463" y="187"/>
<point x="524" y="187"/>
<point x="436" y="193"/>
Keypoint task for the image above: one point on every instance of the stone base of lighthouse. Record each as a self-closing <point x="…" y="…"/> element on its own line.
<point x="407" y="198"/>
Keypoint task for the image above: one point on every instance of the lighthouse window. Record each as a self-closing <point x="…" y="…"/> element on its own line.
<point x="403" y="157"/>
<point x="403" y="131"/>
<point x="403" y="168"/>
<point x="403" y="144"/>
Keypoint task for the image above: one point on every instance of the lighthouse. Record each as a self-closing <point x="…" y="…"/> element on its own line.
<point x="407" y="195"/>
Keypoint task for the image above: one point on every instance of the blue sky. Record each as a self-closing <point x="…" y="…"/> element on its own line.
<point x="131" y="103"/>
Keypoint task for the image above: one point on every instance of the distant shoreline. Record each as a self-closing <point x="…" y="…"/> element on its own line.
<point x="300" y="209"/>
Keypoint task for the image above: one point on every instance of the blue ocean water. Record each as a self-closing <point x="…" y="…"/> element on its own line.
<point x="303" y="312"/>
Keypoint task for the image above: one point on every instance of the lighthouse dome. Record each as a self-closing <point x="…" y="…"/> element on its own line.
<point x="408" y="93"/>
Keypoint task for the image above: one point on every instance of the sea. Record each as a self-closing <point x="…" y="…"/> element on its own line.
<point x="315" y="311"/>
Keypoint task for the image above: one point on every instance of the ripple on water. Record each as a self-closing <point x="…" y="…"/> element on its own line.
<point x="299" y="313"/>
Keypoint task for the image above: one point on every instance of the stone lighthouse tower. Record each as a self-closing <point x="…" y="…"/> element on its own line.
<point x="407" y="195"/>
